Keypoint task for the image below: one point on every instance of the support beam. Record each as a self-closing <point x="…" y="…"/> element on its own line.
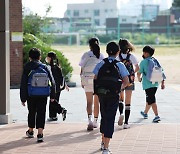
<point x="5" y="116"/>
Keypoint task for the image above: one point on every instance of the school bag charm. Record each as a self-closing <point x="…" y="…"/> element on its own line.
<point x="155" y="72"/>
<point x="108" y="82"/>
<point x="129" y="66"/>
<point x="38" y="82"/>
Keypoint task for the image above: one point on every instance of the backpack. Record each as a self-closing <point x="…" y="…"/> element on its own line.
<point x="38" y="82"/>
<point x="155" y="72"/>
<point x="90" y="64"/>
<point x="108" y="82"/>
<point x="129" y="66"/>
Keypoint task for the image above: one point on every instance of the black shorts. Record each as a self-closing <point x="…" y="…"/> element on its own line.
<point x="150" y="95"/>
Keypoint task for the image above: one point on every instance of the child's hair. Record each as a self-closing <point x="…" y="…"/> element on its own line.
<point x="34" y="53"/>
<point x="93" y="41"/>
<point x="96" y="50"/>
<point x="54" y="60"/>
<point x="149" y="50"/>
<point x="112" y="48"/>
<point x="124" y="46"/>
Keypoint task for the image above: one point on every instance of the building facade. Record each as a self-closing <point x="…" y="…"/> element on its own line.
<point x="97" y="11"/>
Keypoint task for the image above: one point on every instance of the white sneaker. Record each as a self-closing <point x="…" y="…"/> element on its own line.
<point x="106" y="151"/>
<point x="95" y="124"/>
<point x="90" y="126"/>
<point x="126" y="126"/>
<point x="120" y="121"/>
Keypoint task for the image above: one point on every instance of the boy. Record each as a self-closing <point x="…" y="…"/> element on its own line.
<point x="109" y="104"/>
<point x="36" y="104"/>
<point x="149" y="87"/>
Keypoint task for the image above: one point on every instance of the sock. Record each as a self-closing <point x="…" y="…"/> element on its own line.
<point x="89" y="118"/>
<point x="95" y="119"/>
<point x="127" y="113"/>
<point x="121" y="107"/>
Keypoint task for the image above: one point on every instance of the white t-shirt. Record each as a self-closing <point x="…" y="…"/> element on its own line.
<point x="87" y="55"/>
<point x="132" y="58"/>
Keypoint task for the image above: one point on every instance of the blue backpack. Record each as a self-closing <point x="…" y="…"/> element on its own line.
<point x="38" y="82"/>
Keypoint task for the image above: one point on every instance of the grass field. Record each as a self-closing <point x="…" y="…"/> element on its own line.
<point x="169" y="57"/>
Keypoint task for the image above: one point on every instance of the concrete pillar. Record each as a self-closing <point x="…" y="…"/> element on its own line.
<point x="5" y="116"/>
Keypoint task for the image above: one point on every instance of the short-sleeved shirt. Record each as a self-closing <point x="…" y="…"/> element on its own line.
<point x="132" y="58"/>
<point x="86" y="55"/>
<point x="123" y="72"/>
<point x="143" y="69"/>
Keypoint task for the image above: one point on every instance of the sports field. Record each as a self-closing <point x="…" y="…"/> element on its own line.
<point x="168" y="56"/>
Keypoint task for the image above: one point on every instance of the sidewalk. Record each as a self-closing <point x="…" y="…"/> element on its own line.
<point x="71" y="137"/>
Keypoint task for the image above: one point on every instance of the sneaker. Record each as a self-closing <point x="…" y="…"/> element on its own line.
<point x="40" y="138"/>
<point x="145" y="115"/>
<point x="95" y="124"/>
<point x="30" y="134"/>
<point x="106" y="151"/>
<point x="90" y="126"/>
<point x="64" y="111"/>
<point x="102" y="146"/>
<point x="120" y="121"/>
<point x="156" y="119"/>
<point x="126" y="126"/>
<point x="52" y="119"/>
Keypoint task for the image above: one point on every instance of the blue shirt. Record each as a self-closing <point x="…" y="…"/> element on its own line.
<point x="122" y="69"/>
<point x="144" y="70"/>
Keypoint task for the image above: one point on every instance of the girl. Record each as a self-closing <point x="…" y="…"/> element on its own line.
<point x="88" y="63"/>
<point x="132" y="66"/>
<point x="53" y="62"/>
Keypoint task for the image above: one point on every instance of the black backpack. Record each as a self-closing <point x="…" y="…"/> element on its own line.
<point x="108" y="82"/>
<point x="127" y="62"/>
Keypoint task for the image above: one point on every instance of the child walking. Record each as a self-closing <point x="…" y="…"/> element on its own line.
<point x="55" y="107"/>
<point x="36" y="98"/>
<point x="131" y="63"/>
<point x="110" y="71"/>
<point x="149" y="87"/>
<point x="88" y="63"/>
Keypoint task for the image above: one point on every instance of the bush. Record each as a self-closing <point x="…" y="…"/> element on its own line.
<point x="31" y="41"/>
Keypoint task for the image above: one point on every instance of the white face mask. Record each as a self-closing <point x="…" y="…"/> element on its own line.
<point x="46" y="60"/>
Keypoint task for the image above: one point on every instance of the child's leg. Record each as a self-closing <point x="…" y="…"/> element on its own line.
<point x="121" y="100"/>
<point x="89" y="98"/>
<point x="147" y="108"/>
<point x="127" y="105"/>
<point x="155" y="110"/>
<point x="96" y="106"/>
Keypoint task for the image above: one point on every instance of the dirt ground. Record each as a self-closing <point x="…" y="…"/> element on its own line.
<point x="168" y="56"/>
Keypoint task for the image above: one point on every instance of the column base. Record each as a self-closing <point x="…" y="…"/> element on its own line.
<point x="6" y="118"/>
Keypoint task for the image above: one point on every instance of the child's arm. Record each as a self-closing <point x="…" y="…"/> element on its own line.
<point x="139" y="76"/>
<point x="162" y="85"/>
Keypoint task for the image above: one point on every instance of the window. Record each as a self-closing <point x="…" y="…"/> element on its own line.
<point x="96" y="12"/>
<point x="86" y="11"/>
<point x="96" y="22"/>
<point x="76" y="13"/>
<point x="123" y="20"/>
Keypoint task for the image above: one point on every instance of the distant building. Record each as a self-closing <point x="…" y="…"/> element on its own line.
<point x="97" y="11"/>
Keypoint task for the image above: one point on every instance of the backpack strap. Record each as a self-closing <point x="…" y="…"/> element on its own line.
<point x="128" y="56"/>
<point x="120" y="57"/>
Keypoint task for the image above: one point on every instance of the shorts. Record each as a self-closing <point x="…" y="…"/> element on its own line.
<point x="150" y="95"/>
<point x="87" y="82"/>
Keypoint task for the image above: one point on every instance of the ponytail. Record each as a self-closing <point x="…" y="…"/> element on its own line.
<point x="96" y="50"/>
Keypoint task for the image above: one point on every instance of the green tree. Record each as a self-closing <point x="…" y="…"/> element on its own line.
<point x="176" y="3"/>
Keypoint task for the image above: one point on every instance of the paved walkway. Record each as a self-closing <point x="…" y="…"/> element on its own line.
<point x="71" y="136"/>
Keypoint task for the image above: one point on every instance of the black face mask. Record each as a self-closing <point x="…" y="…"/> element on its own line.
<point x="143" y="56"/>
